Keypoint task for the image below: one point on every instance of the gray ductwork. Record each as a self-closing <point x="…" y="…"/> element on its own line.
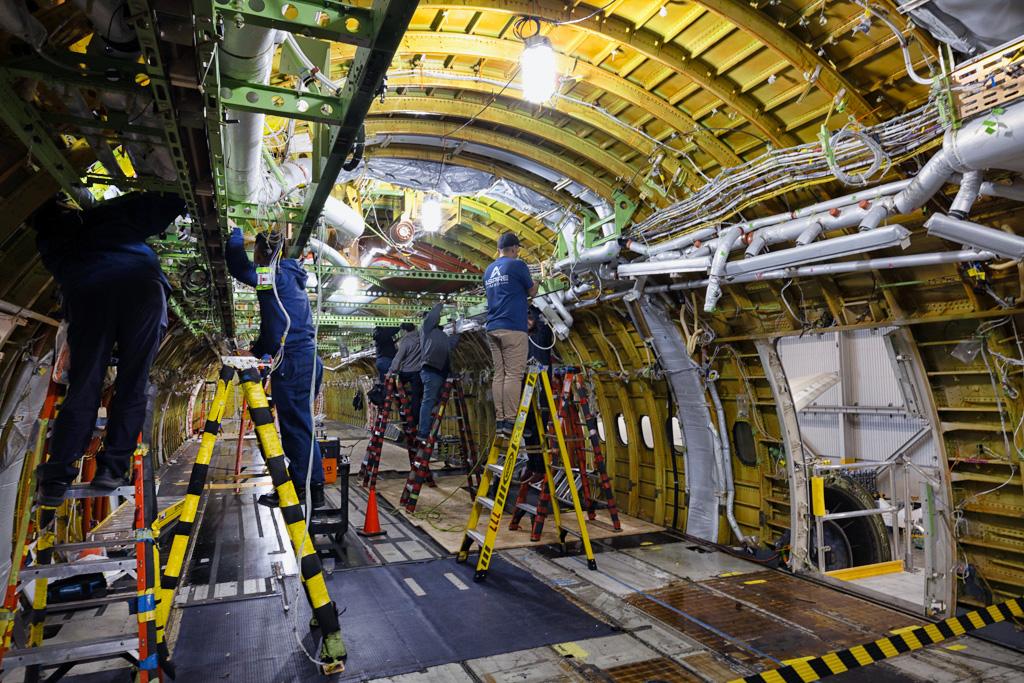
<point x="684" y="379"/>
<point x="18" y="21"/>
<point x="978" y="236"/>
<point x="726" y="243"/>
<point x="973" y="148"/>
<point x="728" y="486"/>
<point x="970" y="189"/>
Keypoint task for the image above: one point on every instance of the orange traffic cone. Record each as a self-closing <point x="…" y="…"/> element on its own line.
<point x="371" y="525"/>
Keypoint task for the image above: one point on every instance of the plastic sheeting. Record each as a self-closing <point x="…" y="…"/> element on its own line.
<point x="684" y="378"/>
<point x="457" y="181"/>
<point x="19" y="424"/>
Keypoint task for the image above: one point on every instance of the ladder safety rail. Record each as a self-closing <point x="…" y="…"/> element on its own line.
<point x="332" y="650"/>
<point x="496" y="505"/>
<point x="394" y="393"/>
<point x="420" y="473"/>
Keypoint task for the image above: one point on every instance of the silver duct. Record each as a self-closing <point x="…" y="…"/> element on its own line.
<point x="970" y="189"/>
<point x="726" y="465"/>
<point x="18" y="21"/>
<point x="684" y="379"/>
<point x="885" y="263"/>
<point x="978" y="236"/>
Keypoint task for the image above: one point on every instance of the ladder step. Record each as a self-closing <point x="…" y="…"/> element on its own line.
<point x="90" y="603"/>
<point x="62" y="570"/>
<point x="477" y="537"/>
<point x="112" y="542"/>
<point x="79" y="651"/>
<point x="87" y="491"/>
<point x="497" y="469"/>
<point x="527" y="508"/>
<point x="485" y="502"/>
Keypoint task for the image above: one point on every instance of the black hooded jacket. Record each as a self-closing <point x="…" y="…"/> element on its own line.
<point x="435" y="344"/>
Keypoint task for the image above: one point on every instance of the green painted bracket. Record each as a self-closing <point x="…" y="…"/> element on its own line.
<point x="623" y="209"/>
<point x="324" y="19"/>
<point x="276" y="101"/>
<point x="253" y="212"/>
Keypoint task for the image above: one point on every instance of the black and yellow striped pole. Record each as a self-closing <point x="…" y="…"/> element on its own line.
<point x="196" y="482"/>
<point x="841" y="661"/>
<point x="332" y="651"/>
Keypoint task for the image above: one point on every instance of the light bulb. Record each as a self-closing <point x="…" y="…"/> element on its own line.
<point x="663" y="12"/>
<point x="537" y="67"/>
<point x="430" y="214"/>
<point x="350" y="285"/>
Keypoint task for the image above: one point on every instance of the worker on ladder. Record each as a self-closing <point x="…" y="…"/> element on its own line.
<point x="406" y="366"/>
<point x="436" y="347"/>
<point x="509" y="285"/>
<point x="115" y="294"/>
<point x="287" y="335"/>
<point x="384" y="346"/>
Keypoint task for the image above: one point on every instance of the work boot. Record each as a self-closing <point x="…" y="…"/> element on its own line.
<point x="50" y="494"/>
<point x="106" y="480"/>
<point x="316" y="494"/>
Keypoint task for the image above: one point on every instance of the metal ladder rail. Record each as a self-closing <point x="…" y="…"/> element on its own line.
<point x="371" y="461"/>
<point x="496" y="505"/>
<point x="325" y="616"/>
<point x="420" y="472"/>
<point x="469" y="450"/>
<point x="600" y="464"/>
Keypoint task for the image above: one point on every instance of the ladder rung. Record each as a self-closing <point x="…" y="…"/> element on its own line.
<point x="87" y="491"/>
<point x="477" y="537"/>
<point x="112" y="542"/>
<point x="485" y="501"/>
<point x="527" y="508"/>
<point x="61" y="570"/>
<point x="90" y="603"/>
<point x="496" y="468"/>
<point x="79" y="651"/>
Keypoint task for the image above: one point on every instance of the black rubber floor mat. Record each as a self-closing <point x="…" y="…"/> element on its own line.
<point x="397" y="619"/>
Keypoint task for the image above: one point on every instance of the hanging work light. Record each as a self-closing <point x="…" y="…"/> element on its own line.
<point x="537" y="68"/>
<point x="430" y="213"/>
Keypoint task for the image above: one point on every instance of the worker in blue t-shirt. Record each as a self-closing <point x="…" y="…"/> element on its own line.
<point x="509" y="286"/>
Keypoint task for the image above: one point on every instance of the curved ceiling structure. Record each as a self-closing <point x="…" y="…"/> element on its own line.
<point x="778" y="241"/>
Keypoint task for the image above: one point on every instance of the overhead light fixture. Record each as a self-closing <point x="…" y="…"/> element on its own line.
<point x="537" y="68"/>
<point x="350" y="285"/>
<point x="430" y="213"/>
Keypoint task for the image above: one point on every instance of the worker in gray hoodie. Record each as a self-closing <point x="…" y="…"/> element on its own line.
<point x="436" y="352"/>
<point x="406" y="365"/>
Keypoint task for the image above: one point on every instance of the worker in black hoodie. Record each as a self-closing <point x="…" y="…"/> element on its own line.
<point x="384" y="345"/>
<point x="115" y="294"/>
<point x="436" y="349"/>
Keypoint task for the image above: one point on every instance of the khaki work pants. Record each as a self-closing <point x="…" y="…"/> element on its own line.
<point x="509" y="352"/>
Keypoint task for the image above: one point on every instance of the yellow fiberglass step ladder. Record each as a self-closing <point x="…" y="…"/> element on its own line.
<point x="496" y="505"/>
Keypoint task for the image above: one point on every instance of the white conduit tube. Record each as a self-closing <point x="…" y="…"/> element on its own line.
<point x="1014" y="190"/>
<point x="885" y="263"/>
<point x="978" y="236"/>
<point x="725" y="463"/>
<point x="970" y="189"/>
<point x="718" y="264"/>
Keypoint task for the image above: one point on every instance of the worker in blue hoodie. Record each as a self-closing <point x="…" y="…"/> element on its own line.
<point x="115" y="295"/>
<point x="289" y="322"/>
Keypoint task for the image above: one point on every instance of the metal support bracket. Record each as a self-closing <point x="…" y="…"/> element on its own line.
<point x="324" y="19"/>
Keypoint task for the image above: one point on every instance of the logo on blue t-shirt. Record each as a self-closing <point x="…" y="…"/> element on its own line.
<point x="496" y="279"/>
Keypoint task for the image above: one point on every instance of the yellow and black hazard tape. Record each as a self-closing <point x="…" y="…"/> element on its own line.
<point x="841" y="661"/>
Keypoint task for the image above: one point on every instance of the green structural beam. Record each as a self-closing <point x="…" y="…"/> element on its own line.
<point x="376" y="273"/>
<point x="365" y="76"/>
<point x="254" y="212"/>
<point x="324" y="19"/>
